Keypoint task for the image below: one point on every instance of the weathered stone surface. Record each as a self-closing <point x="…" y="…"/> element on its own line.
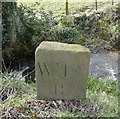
<point x="61" y="70"/>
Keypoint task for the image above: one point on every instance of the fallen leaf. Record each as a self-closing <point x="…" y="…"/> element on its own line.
<point x="43" y="101"/>
<point x="21" y="109"/>
<point x="34" y="113"/>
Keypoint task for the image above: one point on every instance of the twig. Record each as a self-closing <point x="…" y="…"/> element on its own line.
<point x="28" y="74"/>
<point x="4" y="64"/>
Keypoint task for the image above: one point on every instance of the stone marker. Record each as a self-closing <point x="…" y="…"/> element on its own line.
<point x="61" y="71"/>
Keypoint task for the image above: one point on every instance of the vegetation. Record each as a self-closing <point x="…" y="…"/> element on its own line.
<point x="19" y="99"/>
<point x="26" y="25"/>
<point x="29" y="24"/>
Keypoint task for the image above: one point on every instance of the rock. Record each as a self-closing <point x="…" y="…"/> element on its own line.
<point x="61" y="70"/>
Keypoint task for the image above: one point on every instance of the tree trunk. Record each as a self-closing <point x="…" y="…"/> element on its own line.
<point x="9" y="18"/>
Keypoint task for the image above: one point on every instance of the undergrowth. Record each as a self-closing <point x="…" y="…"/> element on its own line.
<point x="101" y="98"/>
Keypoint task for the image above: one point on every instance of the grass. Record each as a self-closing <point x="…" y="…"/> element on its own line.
<point x="16" y="90"/>
<point x="58" y="7"/>
<point x="104" y="93"/>
<point x="101" y="99"/>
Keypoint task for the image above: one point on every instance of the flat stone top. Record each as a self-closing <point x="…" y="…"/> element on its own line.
<point x="57" y="46"/>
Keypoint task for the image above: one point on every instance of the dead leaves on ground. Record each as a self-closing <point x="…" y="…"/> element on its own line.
<point x="43" y="108"/>
<point x="43" y="101"/>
